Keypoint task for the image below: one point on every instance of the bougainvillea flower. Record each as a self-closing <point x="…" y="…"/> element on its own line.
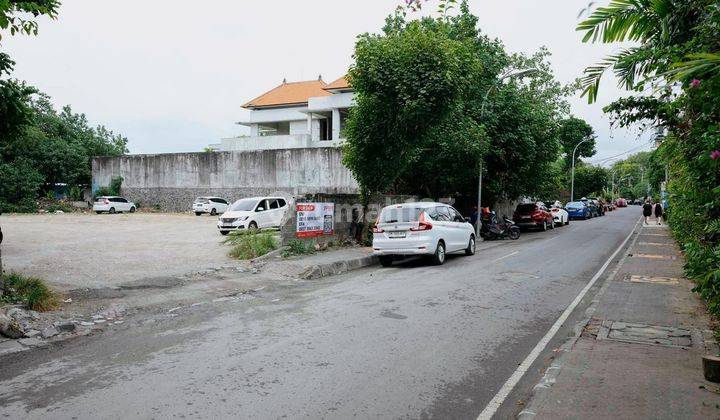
<point x="715" y="154"/>
<point x="695" y="83"/>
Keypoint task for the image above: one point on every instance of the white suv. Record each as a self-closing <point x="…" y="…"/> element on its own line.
<point x="432" y="229"/>
<point x="212" y="205"/>
<point x="112" y="205"/>
<point x="253" y="213"/>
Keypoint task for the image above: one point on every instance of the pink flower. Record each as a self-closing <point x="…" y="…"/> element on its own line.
<point x="715" y="154"/>
<point x="695" y="83"/>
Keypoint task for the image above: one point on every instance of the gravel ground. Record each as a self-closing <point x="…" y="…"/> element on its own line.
<point x="89" y="250"/>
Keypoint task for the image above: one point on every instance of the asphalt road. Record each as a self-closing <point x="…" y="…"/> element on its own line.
<point x="410" y="341"/>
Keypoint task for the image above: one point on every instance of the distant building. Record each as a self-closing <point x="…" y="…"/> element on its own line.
<point x="295" y="115"/>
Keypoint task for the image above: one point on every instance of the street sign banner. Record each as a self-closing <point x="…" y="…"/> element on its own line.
<point x="314" y="219"/>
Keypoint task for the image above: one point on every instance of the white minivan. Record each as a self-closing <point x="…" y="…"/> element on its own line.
<point x="431" y="229"/>
<point x="212" y="205"/>
<point x="112" y="205"/>
<point x="253" y="213"/>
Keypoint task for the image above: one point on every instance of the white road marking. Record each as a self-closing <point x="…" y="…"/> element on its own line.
<point x="506" y="256"/>
<point x="513" y="380"/>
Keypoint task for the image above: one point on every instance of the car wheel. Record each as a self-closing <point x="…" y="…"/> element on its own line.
<point x="470" y="250"/>
<point x="552" y="224"/>
<point x="386" y="260"/>
<point x="112" y="210"/>
<point x="252" y="226"/>
<point x="544" y="226"/>
<point x="197" y="213"/>
<point x="439" y="257"/>
<point x="213" y="212"/>
<point x="567" y="221"/>
<point x="132" y="209"/>
<point x="224" y="232"/>
<point x="98" y="212"/>
<point x="514" y="233"/>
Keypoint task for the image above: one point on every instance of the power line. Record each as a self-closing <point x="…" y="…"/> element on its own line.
<point x="598" y="162"/>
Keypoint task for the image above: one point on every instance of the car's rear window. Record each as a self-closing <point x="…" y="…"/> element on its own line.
<point x="575" y="205"/>
<point x="400" y="215"/>
<point x="525" y="208"/>
<point x="201" y="200"/>
<point x="100" y="199"/>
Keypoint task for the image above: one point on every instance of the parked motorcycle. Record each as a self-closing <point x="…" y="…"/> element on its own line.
<point x="492" y="229"/>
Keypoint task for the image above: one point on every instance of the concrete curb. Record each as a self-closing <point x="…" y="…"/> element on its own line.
<point x="338" y="267"/>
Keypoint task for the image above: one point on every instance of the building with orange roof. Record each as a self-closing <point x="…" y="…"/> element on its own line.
<point x="292" y="115"/>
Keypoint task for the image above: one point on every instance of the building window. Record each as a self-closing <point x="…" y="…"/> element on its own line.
<point x="274" y="129"/>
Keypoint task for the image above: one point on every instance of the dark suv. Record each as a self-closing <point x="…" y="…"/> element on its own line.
<point x="533" y="215"/>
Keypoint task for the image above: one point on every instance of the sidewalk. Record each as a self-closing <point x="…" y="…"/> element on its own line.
<point x="639" y="353"/>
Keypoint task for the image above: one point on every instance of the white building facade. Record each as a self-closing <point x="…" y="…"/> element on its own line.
<point x="295" y="115"/>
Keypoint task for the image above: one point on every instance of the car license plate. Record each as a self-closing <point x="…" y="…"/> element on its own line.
<point x="396" y="234"/>
<point x="526" y="217"/>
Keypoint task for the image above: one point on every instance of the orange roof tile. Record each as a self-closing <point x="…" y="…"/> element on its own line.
<point x="289" y="94"/>
<point x="340" y="83"/>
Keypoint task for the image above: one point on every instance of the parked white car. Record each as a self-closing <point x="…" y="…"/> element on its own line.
<point x="431" y="229"/>
<point x="113" y="205"/>
<point x="560" y="216"/>
<point x="212" y="205"/>
<point x="253" y="213"/>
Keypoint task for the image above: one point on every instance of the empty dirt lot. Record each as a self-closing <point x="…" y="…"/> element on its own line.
<point x="89" y="250"/>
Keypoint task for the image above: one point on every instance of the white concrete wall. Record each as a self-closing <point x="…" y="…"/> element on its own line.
<point x="326" y="103"/>
<point x="298" y="127"/>
<point x="273" y="115"/>
<point x="304" y="170"/>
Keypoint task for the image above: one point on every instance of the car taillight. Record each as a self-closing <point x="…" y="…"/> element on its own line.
<point x="376" y="229"/>
<point x="422" y="224"/>
<point x="554" y="210"/>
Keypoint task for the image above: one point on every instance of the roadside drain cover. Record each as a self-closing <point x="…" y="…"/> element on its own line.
<point x="645" y="334"/>
<point x="654" y="280"/>
<point x="654" y="256"/>
<point x="654" y="244"/>
<point x="664" y="235"/>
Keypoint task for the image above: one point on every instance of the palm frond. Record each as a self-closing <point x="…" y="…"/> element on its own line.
<point x="697" y="66"/>
<point x="626" y="20"/>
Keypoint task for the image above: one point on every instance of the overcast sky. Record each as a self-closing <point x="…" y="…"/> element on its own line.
<point x="171" y="74"/>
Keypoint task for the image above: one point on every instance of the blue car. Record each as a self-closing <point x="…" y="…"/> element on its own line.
<point x="578" y="210"/>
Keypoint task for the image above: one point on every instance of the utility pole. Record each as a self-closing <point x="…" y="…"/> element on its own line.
<point x="572" y="173"/>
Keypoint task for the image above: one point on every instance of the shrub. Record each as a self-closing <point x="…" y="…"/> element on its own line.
<point x="251" y="244"/>
<point x="52" y="208"/>
<point x="298" y="247"/>
<point x="31" y="291"/>
<point x="24" y="206"/>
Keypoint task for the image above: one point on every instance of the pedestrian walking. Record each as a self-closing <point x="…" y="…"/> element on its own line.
<point x="658" y="212"/>
<point x="647" y="210"/>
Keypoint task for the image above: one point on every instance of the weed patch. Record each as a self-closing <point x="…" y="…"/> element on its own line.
<point x="298" y="247"/>
<point x="247" y="245"/>
<point x="30" y="291"/>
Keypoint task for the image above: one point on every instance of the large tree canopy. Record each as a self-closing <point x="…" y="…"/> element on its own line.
<point x="48" y="148"/>
<point x="571" y="133"/>
<point x="422" y="123"/>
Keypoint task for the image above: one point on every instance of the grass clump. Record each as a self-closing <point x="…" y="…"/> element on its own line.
<point x="31" y="291"/>
<point x="250" y="244"/>
<point x="298" y="247"/>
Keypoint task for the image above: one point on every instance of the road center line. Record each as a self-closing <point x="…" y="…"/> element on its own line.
<point x="513" y="380"/>
<point x="506" y="256"/>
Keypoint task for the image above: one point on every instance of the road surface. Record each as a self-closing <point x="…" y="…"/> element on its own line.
<point x="409" y="341"/>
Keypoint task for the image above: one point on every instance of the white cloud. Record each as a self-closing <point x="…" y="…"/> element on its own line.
<point x="171" y="75"/>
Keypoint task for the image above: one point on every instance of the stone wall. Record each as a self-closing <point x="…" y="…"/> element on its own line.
<point x="171" y="181"/>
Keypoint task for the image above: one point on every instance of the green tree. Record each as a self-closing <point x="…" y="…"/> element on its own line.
<point x="424" y="115"/>
<point x="573" y="131"/>
<point x="590" y="180"/>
